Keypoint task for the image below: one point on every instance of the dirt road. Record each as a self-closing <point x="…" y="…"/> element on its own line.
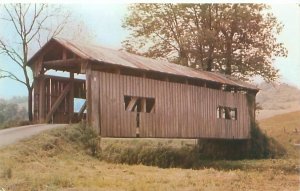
<point x="12" y="135"/>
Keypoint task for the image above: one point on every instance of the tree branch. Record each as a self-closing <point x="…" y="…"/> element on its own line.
<point x="11" y="76"/>
<point x="11" y="53"/>
<point x="36" y="15"/>
<point x="12" y="19"/>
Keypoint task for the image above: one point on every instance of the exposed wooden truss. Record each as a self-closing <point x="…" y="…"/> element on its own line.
<point x="58" y="102"/>
<point x="63" y="63"/>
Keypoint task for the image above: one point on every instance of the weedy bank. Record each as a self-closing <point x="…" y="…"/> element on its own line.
<point x="71" y="159"/>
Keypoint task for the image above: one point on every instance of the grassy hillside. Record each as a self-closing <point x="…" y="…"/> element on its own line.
<point x="61" y="160"/>
<point x="286" y="129"/>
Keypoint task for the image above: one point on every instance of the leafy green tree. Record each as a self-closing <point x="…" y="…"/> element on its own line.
<point x="234" y="39"/>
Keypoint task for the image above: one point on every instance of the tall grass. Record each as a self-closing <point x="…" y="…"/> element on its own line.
<point x="161" y="156"/>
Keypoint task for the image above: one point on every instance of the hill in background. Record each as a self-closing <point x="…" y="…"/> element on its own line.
<point x="277" y="99"/>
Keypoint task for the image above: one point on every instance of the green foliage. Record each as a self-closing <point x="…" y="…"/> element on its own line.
<point x="259" y="146"/>
<point x="262" y="146"/>
<point x="236" y="39"/>
<point x="87" y="137"/>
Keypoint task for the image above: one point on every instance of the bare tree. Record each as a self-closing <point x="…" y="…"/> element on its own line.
<point x="32" y="25"/>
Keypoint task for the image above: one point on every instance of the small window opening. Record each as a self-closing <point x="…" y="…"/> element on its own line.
<point x="218" y="113"/>
<point x="139" y="104"/>
<point x="233" y="113"/>
<point x="232" y="90"/>
<point x="138" y="120"/>
<point x="226" y="113"/>
<point x="223" y="113"/>
<point x="150" y="102"/>
<point x="137" y="125"/>
<point x="127" y="101"/>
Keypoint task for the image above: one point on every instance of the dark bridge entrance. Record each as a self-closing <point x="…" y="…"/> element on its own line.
<point x="54" y="99"/>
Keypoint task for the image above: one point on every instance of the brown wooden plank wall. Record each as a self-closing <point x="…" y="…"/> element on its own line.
<point x="181" y="110"/>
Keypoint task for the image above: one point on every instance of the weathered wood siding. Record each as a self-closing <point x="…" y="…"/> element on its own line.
<point x="181" y="110"/>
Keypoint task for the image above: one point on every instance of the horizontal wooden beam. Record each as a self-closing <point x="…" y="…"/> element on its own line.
<point x="58" y="102"/>
<point x="63" y="78"/>
<point x="63" y="63"/>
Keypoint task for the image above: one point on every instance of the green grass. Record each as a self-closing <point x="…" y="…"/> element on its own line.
<point x="71" y="159"/>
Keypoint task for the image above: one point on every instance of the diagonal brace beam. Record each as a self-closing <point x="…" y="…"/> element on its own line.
<point x="131" y="104"/>
<point x="82" y="110"/>
<point x="58" y="102"/>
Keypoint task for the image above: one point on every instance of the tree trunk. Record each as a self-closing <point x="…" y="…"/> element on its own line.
<point x="30" y="115"/>
<point x="210" y="58"/>
<point x="183" y="58"/>
<point x="228" y="58"/>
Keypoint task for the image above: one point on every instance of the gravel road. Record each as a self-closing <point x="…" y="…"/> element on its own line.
<point x="14" y="134"/>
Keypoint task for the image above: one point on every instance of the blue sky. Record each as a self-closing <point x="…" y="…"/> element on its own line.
<point x="105" y="21"/>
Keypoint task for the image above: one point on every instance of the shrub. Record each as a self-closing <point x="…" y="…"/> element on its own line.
<point x="259" y="146"/>
<point x="262" y="146"/>
<point x="86" y="136"/>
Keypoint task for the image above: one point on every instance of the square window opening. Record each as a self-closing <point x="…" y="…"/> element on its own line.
<point x="139" y="104"/>
<point x="226" y="113"/>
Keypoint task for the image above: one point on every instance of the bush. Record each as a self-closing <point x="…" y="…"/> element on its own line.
<point x="259" y="146"/>
<point x="262" y="146"/>
<point x="86" y="136"/>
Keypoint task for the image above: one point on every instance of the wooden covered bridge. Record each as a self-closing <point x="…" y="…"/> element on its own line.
<point x="134" y="96"/>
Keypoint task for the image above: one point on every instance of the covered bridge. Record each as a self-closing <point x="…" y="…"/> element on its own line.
<point x="133" y="96"/>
